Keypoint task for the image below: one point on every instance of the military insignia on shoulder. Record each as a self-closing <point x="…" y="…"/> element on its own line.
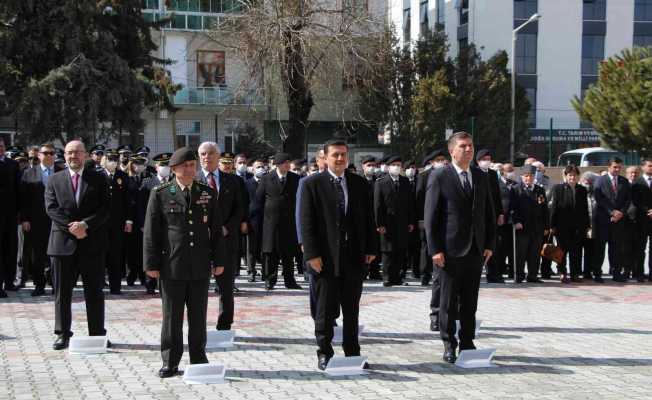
<point x="165" y="185"/>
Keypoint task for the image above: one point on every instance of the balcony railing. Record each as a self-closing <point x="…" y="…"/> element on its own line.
<point x="221" y="96"/>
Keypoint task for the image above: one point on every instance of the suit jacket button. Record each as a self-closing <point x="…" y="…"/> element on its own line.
<point x="190" y="222"/>
<point x="191" y="244"/>
<point x="189" y="211"/>
<point x="192" y="233"/>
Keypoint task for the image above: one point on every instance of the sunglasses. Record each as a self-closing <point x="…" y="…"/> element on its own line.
<point x="47" y="153"/>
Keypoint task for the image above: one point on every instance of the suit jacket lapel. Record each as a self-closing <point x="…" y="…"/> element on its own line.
<point x="330" y="192"/>
<point x="83" y="185"/>
<point x="67" y="188"/>
<point x="456" y="181"/>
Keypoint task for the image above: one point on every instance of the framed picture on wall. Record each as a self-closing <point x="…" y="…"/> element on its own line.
<point x="211" y="70"/>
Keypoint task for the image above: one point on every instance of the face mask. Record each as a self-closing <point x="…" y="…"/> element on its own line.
<point x="369" y="171"/>
<point x="427" y="167"/>
<point x="259" y="172"/>
<point x="511" y="176"/>
<point x="438" y="165"/>
<point x="394" y="170"/>
<point x="111" y="165"/>
<point x="242" y="169"/>
<point x="538" y="176"/>
<point x="377" y="171"/>
<point x="383" y="168"/>
<point x="484" y="164"/>
<point x="164" y="171"/>
<point x="409" y="173"/>
<point x="139" y="168"/>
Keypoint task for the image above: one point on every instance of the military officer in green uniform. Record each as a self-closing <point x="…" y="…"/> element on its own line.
<point x="182" y="250"/>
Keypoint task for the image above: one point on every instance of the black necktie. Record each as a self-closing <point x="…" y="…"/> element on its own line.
<point x="283" y="181"/>
<point x="341" y="199"/>
<point x="186" y="193"/>
<point x="465" y="184"/>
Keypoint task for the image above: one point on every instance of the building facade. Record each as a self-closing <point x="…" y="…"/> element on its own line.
<point x="557" y="57"/>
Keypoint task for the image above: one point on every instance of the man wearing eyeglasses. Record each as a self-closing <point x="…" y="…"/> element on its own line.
<point x="35" y="221"/>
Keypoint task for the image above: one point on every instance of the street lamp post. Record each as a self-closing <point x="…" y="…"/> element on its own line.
<point x="512" y="136"/>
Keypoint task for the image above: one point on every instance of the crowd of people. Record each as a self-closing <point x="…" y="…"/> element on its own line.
<point x="117" y="215"/>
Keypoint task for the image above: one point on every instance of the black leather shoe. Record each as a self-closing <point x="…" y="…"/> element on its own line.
<point x="467" y="346"/>
<point x="620" y="279"/>
<point x="292" y="285"/>
<point x="495" y="280"/>
<point x="11" y="287"/>
<point x="449" y="355"/>
<point x="167" y="372"/>
<point x="3" y="294"/>
<point x="109" y="344"/>
<point x="366" y="365"/>
<point x="598" y="279"/>
<point x="322" y="362"/>
<point x="388" y="284"/>
<point x="116" y="292"/>
<point x="236" y="290"/>
<point x="434" y="326"/>
<point x="38" y="291"/>
<point x="61" y="342"/>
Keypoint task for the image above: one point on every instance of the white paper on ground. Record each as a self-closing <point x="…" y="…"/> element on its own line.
<point x="201" y="374"/>
<point x="88" y="345"/>
<point x="342" y="366"/>
<point x="476" y="358"/>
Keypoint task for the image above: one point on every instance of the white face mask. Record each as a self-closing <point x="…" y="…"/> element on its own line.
<point x="511" y="176"/>
<point x="111" y="165"/>
<point x="369" y="171"/>
<point x="139" y="168"/>
<point x="242" y="169"/>
<point x="394" y="170"/>
<point x="484" y="164"/>
<point x="377" y="171"/>
<point x="383" y="168"/>
<point x="438" y="165"/>
<point x="409" y="173"/>
<point x="164" y="171"/>
<point x="260" y="171"/>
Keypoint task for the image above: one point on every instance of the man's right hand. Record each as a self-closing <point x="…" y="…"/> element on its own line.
<point x="315" y="264"/>
<point x="381" y="230"/>
<point x="518" y="226"/>
<point x="153" y="274"/>
<point x="26" y="226"/>
<point x="439" y="260"/>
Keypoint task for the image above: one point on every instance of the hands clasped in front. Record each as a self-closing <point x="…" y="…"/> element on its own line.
<point x="215" y="271"/>
<point x="439" y="260"/>
<point x="317" y="265"/>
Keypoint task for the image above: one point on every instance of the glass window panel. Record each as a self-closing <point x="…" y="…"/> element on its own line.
<point x="526" y="54"/>
<point x="210" y="22"/>
<point x="423" y="12"/>
<point x="193" y="5"/>
<point x="406" y="25"/>
<point x="595" y="10"/>
<point x="643" y="10"/>
<point x="523" y="9"/>
<point x="531" y="95"/>
<point x="441" y="12"/>
<point x="173" y="4"/>
<point x="205" y="6"/>
<point x="179" y="21"/>
<point x="149" y="17"/>
<point x="194" y="22"/>
<point x="193" y="141"/>
<point x="643" y="40"/>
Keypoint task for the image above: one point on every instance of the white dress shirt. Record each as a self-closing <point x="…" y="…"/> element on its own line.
<point x="459" y="171"/>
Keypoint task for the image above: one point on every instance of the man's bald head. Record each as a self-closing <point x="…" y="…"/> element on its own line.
<point x="75" y="154"/>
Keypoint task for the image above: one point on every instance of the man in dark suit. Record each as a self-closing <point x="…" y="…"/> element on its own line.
<point x="434" y="160"/>
<point x="226" y="166"/>
<point x="9" y="192"/>
<point x="240" y="170"/>
<point x="484" y="159"/>
<point x="531" y="223"/>
<point x="338" y="240"/>
<point x="231" y="211"/>
<point x="414" y="242"/>
<point x="35" y="221"/>
<point x="461" y="231"/>
<point x="120" y="219"/>
<point x="569" y="220"/>
<point x="183" y="247"/>
<point x="612" y="194"/>
<point x="369" y="172"/>
<point x="505" y="239"/>
<point x="642" y="199"/>
<point x="395" y="219"/>
<point x="77" y="202"/>
<point x="276" y="195"/>
<point x="254" y="220"/>
<point x="162" y="176"/>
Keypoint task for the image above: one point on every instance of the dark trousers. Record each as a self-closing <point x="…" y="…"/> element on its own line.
<point x="9" y="247"/>
<point x="503" y="259"/>
<point x="617" y="244"/>
<point x="528" y="246"/>
<point x="460" y="283"/>
<point x="572" y="247"/>
<point x="299" y="260"/>
<point x="435" y="297"/>
<point x="270" y="267"/>
<point x="331" y="293"/>
<point x="37" y="258"/>
<point x="374" y="266"/>
<point x="24" y="255"/>
<point x="253" y="250"/>
<point x="413" y="260"/>
<point x="393" y="262"/>
<point x="66" y="269"/>
<point x="175" y="296"/>
<point x="645" y="240"/>
<point x="115" y="257"/>
<point x="224" y="289"/>
<point x="425" y="260"/>
<point x="134" y="251"/>
<point x="589" y="268"/>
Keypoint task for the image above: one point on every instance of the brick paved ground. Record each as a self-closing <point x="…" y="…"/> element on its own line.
<point x="554" y="342"/>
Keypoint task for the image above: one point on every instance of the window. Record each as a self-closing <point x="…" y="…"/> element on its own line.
<point x="595" y="10"/>
<point x="643" y="40"/>
<point x="526" y="53"/>
<point x="150" y="4"/>
<point x="423" y="17"/>
<point x="523" y="9"/>
<point x="643" y="10"/>
<point x="464" y="12"/>
<point x="531" y="94"/>
<point x="463" y="44"/>
<point x="228" y="144"/>
<point x="188" y="133"/>
<point x="406" y="21"/>
<point x="441" y="12"/>
<point x="592" y="54"/>
<point x="211" y="68"/>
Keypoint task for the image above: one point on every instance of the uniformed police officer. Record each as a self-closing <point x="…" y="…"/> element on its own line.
<point x="183" y="248"/>
<point x="97" y="152"/>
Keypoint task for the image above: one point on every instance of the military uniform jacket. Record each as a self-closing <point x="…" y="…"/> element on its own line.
<point x="121" y="206"/>
<point x="182" y="239"/>
<point x="530" y="208"/>
<point x="394" y="208"/>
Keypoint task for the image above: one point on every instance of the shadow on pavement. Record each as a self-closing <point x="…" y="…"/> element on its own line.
<point x="309" y="341"/>
<point x="579" y="361"/>
<point x="430" y="336"/>
<point x="552" y="329"/>
<point x="442" y="368"/>
<point x="242" y="376"/>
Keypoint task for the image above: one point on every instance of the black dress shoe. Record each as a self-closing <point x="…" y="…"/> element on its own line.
<point x="449" y="355"/>
<point x="375" y="276"/>
<point x="61" y="342"/>
<point x="322" y="362"/>
<point x="292" y="285"/>
<point x="3" y="294"/>
<point x="109" y="344"/>
<point x="495" y="280"/>
<point x="252" y="278"/>
<point x="598" y="279"/>
<point x="38" y="291"/>
<point x="11" y="287"/>
<point x="131" y="283"/>
<point x="366" y="365"/>
<point x="388" y="284"/>
<point x="167" y="372"/>
<point x="236" y="290"/>
<point x="619" y="279"/>
<point x="434" y="326"/>
<point x="640" y="279"/>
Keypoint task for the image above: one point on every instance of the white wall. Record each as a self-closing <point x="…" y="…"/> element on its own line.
<point x="176" y="50"/>
<point x="490" y="26"/>
<point x="620" y="28"/>
<point x="559" y="62"/>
